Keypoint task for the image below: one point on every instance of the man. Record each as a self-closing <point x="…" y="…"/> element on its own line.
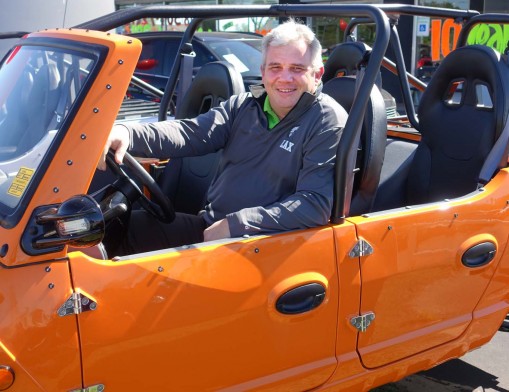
<point x="279" y="144"/>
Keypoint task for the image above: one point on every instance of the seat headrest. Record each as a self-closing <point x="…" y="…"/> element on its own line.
<point x="214" y="83"/>
<point x="468" y="85"/>
<point x="344" y="60"/>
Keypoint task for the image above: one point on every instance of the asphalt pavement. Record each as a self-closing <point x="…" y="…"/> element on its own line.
<point x="485" y="369"/>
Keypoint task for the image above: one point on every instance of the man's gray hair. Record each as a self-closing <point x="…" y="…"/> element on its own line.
<point x="292" y="31"/>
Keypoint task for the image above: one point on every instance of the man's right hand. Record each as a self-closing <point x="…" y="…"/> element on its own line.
<point x="118" y="141"/>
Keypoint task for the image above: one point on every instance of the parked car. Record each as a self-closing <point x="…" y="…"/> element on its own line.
<point x="411" y="270"/>
<point x="160" y="50"/>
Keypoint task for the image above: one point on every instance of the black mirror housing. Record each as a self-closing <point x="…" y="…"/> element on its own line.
<point x="78" y="222"/>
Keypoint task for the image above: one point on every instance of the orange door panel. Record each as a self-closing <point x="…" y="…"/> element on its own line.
<point x="426" y="274"/>
<point x="205" y="318"/>
<point x="38" y="345"/>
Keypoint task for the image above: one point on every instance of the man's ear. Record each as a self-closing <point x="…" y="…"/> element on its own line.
<point x="319" y="74"/>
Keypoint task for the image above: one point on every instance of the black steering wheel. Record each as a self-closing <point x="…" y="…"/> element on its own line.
<point x="159" y="205"/>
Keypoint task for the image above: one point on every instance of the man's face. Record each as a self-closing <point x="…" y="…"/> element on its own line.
<point x="287" y="73"/>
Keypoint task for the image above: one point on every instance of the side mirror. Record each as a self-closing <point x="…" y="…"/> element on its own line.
<point x="77" y="222"/>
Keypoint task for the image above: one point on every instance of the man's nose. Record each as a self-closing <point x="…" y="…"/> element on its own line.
<point x="286" y="74"/>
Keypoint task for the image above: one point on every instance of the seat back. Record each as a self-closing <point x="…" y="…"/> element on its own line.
<point x="462" y="113"/>
<point x="373" y="139"/>
<point x="186" y="180"/>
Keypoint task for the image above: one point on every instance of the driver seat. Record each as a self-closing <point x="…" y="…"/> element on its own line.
<point x="186" y="180"/>
<point x="341" y="84"/>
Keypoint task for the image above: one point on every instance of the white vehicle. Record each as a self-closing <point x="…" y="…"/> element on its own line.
<point x="33" y="15"/>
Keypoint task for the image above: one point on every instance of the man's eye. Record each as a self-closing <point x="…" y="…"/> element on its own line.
<point x="298" y="69"/>
<point x="274" y="68"/>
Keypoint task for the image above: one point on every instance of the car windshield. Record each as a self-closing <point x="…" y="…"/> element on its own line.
<point x="243" y="54"/>
<point x="38" y="85"/>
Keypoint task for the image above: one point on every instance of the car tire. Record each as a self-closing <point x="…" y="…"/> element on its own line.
<point x="505" y="324"/>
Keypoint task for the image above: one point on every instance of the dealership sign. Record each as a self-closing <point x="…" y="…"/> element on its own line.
<point x="444" y="36"/>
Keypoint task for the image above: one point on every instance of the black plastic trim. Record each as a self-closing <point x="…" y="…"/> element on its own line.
<point x="301" y="299"/>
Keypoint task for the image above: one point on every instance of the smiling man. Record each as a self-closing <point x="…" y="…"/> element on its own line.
<point x="278" y="148"/>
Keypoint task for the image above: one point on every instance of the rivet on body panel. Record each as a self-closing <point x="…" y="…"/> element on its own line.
<point x="389" y="227"/>
<point x="51" y="286"/>
<point x="69" y="162"/>
<point x="160" y="269"/>
<point x="456" y="215"/>
<point x="56" y="190"/>
<point x="83" y="136"/>
<point x="108" y="87"/>
<point x="96" y="110"/>
<point x="121" y="62"/>
<point x="257" y="250"/>
<point x="6" y="377"/>
<point x="47" y="269"/>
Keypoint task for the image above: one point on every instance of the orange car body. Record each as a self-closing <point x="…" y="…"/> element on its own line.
<point x="205" y="318"/>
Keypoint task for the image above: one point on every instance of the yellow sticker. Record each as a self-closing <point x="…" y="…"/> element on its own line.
<point x="20" y="182"/>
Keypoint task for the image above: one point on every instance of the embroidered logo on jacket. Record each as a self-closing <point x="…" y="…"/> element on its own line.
<point x="292" y="131"/>
<point x="286" y="145"/>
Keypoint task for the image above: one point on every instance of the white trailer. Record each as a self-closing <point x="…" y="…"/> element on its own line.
<point x="32" y="15"/>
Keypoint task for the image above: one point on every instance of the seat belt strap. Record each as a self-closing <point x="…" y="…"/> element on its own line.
<point x="185" y="73"/>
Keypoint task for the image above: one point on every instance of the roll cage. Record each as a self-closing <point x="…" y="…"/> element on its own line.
<point x="384" y="17"/>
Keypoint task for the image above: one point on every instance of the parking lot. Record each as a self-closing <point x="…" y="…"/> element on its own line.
<point x="483" y="370"/>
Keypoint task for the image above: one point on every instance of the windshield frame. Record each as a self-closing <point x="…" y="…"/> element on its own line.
<point x="10" y="216"/>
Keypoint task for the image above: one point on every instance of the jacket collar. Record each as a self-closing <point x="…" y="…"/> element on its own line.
<point x="306" y="100"/>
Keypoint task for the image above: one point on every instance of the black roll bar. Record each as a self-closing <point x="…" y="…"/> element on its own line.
<point x="347" y="148"/>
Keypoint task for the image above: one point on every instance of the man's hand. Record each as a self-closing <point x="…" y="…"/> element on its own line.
<point x="217" y="230"/>
<point x="117" y="141"/>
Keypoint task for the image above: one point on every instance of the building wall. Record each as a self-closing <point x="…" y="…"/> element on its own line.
<point x="22" y="15"/>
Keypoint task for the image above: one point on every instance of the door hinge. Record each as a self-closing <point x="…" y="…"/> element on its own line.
<point x="92" y="388"/>
<point x="362" y="322"/>
<point x="76" y="304"/>
<point x="361" y="248"/>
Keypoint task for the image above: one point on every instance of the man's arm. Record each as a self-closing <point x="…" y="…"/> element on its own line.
<point x="175" y="138"/>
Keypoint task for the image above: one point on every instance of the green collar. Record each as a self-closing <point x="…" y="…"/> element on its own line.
<point x="272" y="117"/>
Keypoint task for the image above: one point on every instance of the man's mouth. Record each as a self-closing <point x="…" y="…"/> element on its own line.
<point x="286" y="90"/>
